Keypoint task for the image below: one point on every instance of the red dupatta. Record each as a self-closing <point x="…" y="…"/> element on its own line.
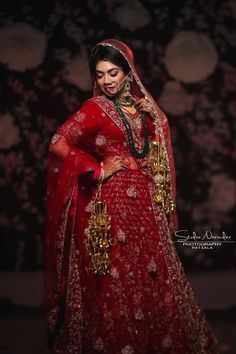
<point x="61" y="258"/>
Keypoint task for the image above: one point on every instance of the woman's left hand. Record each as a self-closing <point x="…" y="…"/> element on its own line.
<point x="145" y="106"/>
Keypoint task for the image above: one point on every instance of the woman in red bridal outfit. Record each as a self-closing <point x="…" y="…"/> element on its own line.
<point x="114" y="282"/>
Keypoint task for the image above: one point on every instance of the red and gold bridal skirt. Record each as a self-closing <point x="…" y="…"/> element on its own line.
<point x="145" y="305"/>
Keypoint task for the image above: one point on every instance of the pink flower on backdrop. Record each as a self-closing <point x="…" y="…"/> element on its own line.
<point x="232" y="108"/>
<point x="207" y="216"/>
<point x="222" y="192"/>
<point x="206" y="140"/>
<point x="23" y="190"/>
<point x="50" y="124"/>
<point x="5" y="220"/>
<point x="9" y="132"/>
<point x="216" y="113"/>
<point x="37" y="146"/>
<point x="22" y="110"/>
<point x="13" y="162"/>
<point x="29" y="207"/>
<point x="34" y="140"/>
<point x="77" y="71"/>
<point x="175" y="99"/>
<point x="22" y="46"/>
<point x="30" y="174"/>
<point x="229" y="80"/>
<point x="204" y="102"/>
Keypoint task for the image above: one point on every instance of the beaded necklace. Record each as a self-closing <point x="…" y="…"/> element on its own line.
<point x="126" y="101"/>
<point x="128" y="128"/>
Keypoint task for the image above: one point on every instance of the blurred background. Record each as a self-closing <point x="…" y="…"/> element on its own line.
<point x="184" y="55"/>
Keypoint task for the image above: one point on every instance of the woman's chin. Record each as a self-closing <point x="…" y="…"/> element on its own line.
<point x="110" y="94"/>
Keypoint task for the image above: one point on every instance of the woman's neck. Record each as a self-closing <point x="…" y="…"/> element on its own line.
<point x="125" y="101"/>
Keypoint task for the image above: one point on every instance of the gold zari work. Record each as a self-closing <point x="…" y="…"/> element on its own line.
<point x="161" y="175"/>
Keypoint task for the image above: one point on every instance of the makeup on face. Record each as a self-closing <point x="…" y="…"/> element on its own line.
<point x="109" y="77"/>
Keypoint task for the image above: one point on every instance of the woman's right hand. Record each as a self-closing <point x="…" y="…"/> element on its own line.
<point x="114" y="164"/>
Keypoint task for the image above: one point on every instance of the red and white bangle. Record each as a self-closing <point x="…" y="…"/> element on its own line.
<point x="101" y="177"/>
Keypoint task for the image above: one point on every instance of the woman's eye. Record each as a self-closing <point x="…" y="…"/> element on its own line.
<point x="113" y="74"/>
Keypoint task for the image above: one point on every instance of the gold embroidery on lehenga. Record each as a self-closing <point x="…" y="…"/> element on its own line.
<point x="52" y="318"/>
<point x="80" y="116"/>
<point x="100" y="140"/>
<point x="73" y="324"/>
<point x="131" y="192"/>
<point x="114" y="273"/>
<point x="121" y="235"/>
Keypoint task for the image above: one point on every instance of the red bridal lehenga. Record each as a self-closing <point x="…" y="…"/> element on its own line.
<point x="144" y="304"/>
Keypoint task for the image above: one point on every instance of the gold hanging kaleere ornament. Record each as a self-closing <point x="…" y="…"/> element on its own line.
<point x="99" y="237"/>
<point x="161" y="175"/>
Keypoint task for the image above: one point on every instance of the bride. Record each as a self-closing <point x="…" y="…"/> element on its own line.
<point x="114" y="281"/>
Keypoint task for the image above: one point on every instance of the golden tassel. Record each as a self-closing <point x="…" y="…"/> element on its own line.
<point x="162" y="183"/>
<point x="99" y="237"/>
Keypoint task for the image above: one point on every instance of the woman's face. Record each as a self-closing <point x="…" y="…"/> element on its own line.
<point x="110" y="78"/>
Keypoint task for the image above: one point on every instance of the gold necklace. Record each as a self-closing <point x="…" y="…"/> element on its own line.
<point x="125" y="101"/>
<point x="127" y="111"/>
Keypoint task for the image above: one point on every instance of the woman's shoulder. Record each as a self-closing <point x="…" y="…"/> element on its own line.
<point x="89" y="110"/>
<point x="93" y="102"/>
<point x="91" y="106"/>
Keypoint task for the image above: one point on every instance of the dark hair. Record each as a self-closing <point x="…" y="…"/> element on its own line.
<point x="107" y="53"/>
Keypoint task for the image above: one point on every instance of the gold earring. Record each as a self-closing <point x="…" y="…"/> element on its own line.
<point x="127" y="87"/>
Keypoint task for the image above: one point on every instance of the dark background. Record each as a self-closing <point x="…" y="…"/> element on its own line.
<point x="44" y="48"/>
<point x="184" y="53"/>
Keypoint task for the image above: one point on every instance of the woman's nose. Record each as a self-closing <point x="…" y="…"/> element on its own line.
<point x="106" y="79"/>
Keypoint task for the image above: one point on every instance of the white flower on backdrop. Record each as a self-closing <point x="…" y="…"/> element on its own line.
<point x="22" y="46"/>
<point x="9" y="133"/>
<point x="190" y="57"/>
<point x="132" y="15"/>
<point x="175" y="99"/>
<point x="77" y="71"/>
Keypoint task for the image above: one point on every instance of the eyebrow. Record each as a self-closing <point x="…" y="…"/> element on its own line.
<point x="102" y="72"/>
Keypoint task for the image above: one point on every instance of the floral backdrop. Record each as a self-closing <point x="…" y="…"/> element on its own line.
<point x="183" y="53"/>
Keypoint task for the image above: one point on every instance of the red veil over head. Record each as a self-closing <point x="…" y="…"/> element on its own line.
<point x="161" y="122"/>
